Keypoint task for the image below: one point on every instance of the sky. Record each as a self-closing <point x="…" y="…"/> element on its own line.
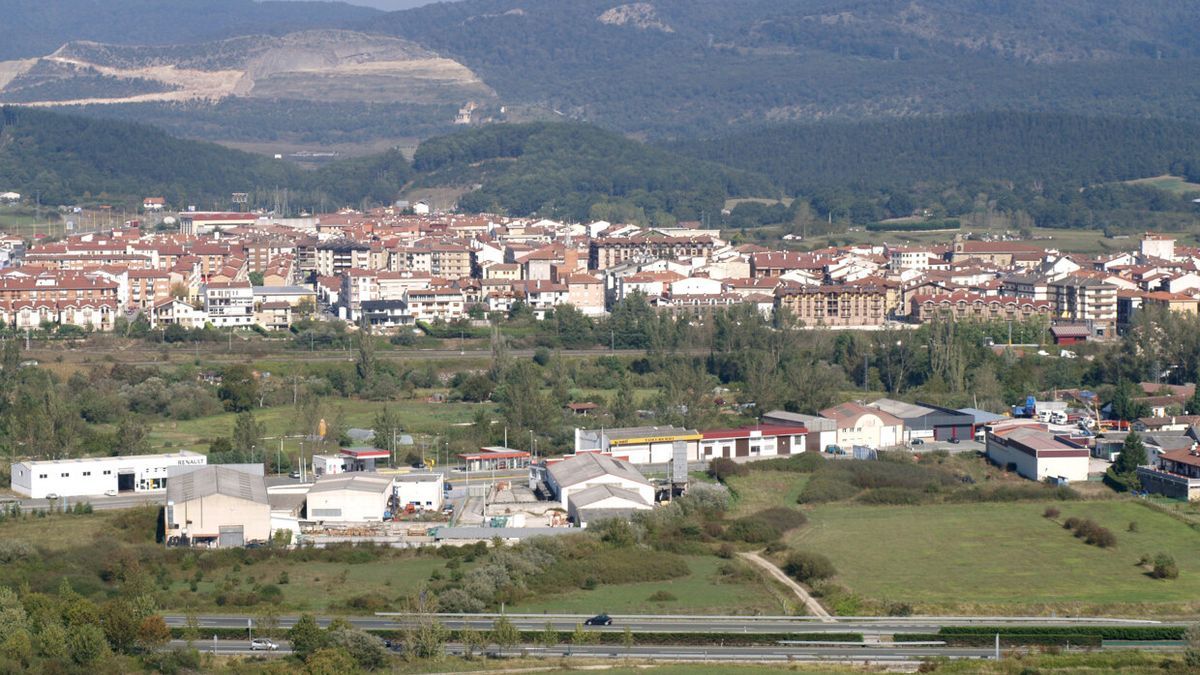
<point x="389" y="5"/>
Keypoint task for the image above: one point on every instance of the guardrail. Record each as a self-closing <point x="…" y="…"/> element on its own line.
<point x="796" y="618"/>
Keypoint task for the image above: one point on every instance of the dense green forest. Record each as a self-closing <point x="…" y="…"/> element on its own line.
<point x="703" y="65"/>
<point x="36" y="28"/>
<point x="1018" y="147"/>
<point x="578" y="171"/>
<point x="323" y="123"/>
<point x="67" y="159"/>
<point x="1051" y="170"/>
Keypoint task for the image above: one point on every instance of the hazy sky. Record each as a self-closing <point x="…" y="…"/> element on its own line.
<point x="390" y="4"/>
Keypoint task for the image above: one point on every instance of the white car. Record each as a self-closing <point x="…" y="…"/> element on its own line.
<point x="262" y="644"/>
<point x="110" y="493"/>
<point x="52" y="495"/>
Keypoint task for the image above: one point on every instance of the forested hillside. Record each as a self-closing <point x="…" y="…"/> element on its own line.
<point x="1018" y="147"/>
<point x="1052" y="170"/>
<point x="673" y="67"/>
<point x="66" y="159"/>
<point x="578" y="171"/>
<point x="36" y="28"/>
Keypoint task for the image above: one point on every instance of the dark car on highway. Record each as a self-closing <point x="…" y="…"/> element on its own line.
<point x="599" y="620"/>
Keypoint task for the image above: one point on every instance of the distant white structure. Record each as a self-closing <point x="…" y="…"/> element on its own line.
<point x="421" y="208"/>
<point x="10" y="197"/>
<point x="92" y="476"/>
<point x="1158" y="246"/>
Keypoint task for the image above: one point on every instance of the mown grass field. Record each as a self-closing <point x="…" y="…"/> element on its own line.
<point x="1173" y="184"/>
<point x="1005" y="557"/>
<point x="704" y="591"/>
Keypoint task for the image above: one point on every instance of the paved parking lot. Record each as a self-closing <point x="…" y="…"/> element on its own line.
<point x="961" y="446"/>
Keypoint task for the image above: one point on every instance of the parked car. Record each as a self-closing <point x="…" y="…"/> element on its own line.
<point x="955" y="440"/>
<point x="110" y="493"/>
<point x="599" y="620"/>
<point x="917" y="441"/>
<point x="52" y="495"/>
<point x="262" y="644"/>
<point x="294" y="474"/>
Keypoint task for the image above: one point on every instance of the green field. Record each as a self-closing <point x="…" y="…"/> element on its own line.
<point x="765" y="489"/>
<point x="417" y="417"/>
<point x="1005" y="557"/>
<point x="324" y="587"/>
<point x="1172" y="184"/>
<point x="704" y="591"/>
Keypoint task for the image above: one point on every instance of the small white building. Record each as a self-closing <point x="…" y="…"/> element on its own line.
<point x="328" y="465"/>
<point x="858" y="424"/>
<point x="600" y="502"/>
<point x="1036" y="454"/>
<point x="355" y="497"/>
<point x="425" y="491"/>
<point x="91" y="476"/>
<point x="639" y="445"/>
<point x="573" y="475"/>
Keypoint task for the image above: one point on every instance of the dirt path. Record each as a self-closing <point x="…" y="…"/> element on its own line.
<point x="809" y="601"/>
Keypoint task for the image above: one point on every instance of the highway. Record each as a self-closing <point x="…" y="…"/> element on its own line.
<point x="875" y="654"/>
<point x="868" y="626"/>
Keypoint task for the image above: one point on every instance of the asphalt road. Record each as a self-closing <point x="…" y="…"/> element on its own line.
<point x="98" y="502"/>
<point x="783" y="653"/>
<point x="701" y="624"/>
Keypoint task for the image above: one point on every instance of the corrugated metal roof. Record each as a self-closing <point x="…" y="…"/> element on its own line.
<point x="589" y="466"/>
<point x="357" y="481"/>
<point x="211" y="480"/>
<point x="598" y="493"/>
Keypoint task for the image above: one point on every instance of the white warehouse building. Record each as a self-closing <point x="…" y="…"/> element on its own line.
<point x="423" y="490"/>
<point x="92" y="476"/>
<point x="355" y="497"/>
<point x="576" y="474"/>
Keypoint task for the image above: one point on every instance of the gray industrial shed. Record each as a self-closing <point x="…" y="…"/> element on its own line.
<point x="925" y="420"/>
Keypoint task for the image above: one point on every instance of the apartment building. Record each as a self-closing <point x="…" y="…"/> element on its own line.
<point x="607" y="252"/>
<point x="229" y="304"/>
<point x="835" y="306"/>
<point x="972" y="306"/>
<point x="334" y="257"/>
<point x="1087" y="300"/>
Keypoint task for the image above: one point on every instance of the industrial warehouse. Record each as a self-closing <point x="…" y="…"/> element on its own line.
<point x="94" y="476"/>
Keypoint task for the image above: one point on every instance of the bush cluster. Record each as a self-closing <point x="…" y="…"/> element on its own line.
<point x="765" y="526"/>
<point x="1091" y="532"/>
<point x="808" y="566"/>
<point x="722" y="468"/>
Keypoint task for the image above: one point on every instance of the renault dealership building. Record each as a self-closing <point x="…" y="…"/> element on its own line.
<point x="91" y="476"/>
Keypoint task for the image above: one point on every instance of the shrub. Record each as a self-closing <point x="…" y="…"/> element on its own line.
<point x="806" y="462"/>
<point x="1051" y="513"/>
<point x="1133" y="526"/>
<point x="752" y="531"/>
<point x="1071" y="523"/>
<point x="725" y="551"/>
<point x="822" y="489"/>
<point x="1164" y="567"/>
<point x="1102" y="537"/>
<point x="764" y="526"/>
<point x="662" y="596"/>
<point x="807" y="566"/>
<point x="722" y="468"/>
